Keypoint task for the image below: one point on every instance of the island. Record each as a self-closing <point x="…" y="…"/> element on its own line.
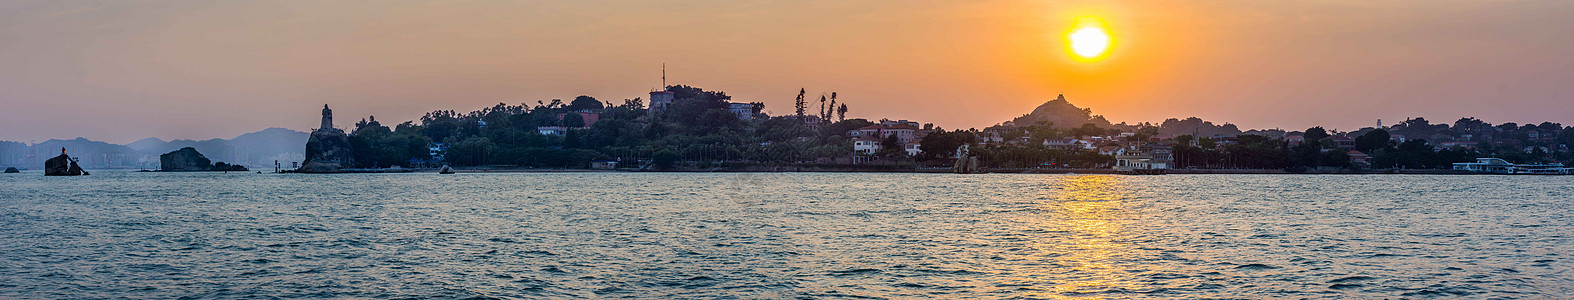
<point x="189" y="160"/>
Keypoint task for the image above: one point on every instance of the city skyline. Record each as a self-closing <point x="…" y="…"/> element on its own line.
<point x="123" y="71"/>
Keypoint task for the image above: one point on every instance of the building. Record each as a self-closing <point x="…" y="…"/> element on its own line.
<point x="1127" y="163"/>
<point x="604" y="164"/>
<point x="1459" y="144"/>
<point x="436" y="150"/>
<point x="1343" y="142"/>
<point x="903" y="132"/>
<point x="1112" y="150"/>
<point x="1294" y="139"/>
<point x="745" y="111"/>
<point x="1068" y="144"/>
<point x="552" y="130"/>
<point x="866" y="145"/>
<point x="584" y="114"/>
<point x="1359" y="158"/>
<point x="659" y="100"/>
<point x="1486" y="165"/>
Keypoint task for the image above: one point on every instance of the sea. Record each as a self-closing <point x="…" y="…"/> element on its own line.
<point x="603" y="235"/>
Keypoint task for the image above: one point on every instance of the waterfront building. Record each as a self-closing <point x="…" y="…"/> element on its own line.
<point x="1127" y="163"/>
<point x="1486" y="165"/>
<point x="603" y="164"/>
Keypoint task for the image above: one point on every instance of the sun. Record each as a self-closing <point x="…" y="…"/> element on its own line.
<point x="1089" y="39"/>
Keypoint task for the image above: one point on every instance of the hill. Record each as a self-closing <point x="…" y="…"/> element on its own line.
<point x="1059" y="113"/>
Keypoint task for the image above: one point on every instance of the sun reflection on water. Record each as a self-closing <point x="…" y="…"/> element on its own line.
<point x="1085" y="217"/>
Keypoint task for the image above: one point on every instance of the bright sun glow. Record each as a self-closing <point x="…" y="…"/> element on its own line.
<point x="1089" y="39"/>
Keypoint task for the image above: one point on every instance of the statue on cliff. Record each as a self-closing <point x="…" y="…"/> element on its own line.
<point x="328" y="150"/>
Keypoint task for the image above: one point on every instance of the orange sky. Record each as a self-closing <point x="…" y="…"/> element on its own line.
<point x="123" y="70"/>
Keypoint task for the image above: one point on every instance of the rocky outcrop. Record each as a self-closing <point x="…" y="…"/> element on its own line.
<point x="185" y="159"/>
<point x="328" y="149"/>
<point x="1061" y="113"/>
<point x="189" y="160"/>
<point x="327" y="152"/>
<point x="62" y="165"/>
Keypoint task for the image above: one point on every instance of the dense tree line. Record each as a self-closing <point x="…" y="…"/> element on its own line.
<point x="696" y="130"/>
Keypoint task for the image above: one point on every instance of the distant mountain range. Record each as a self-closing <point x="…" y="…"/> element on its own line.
<point x="257" y="150"/>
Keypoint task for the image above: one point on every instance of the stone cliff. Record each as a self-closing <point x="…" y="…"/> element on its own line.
<point x="185" y="159"/>
<point x="188" y="159"/>
<point x="327" y="152"/>
<point x="328" y="149"/>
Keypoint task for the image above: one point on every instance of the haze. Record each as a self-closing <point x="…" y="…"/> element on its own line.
<point x="122" y="70"/>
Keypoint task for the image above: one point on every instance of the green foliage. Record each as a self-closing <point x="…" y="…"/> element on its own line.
<point x="1316" y="134"/>
<point x="665" y="159"/>
<point x="584" y="103"/>
<point x="573" y="120"/>
<point x="1372" y="141"/>
<point x="943" y="144"/>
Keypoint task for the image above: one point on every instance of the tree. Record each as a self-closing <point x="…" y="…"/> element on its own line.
<point x="471" y="151"/>
<point x="890" y="146"/>
<point x="1372" y="140"/>
<point x="1335" y="158"/>
<point x="824" y="111"/>
<point x="841" y="112"/>
<point x="1316" y="134"/>
<point x="943" y="144"/>
<point x="800" y="104"/>
<point x="584" y="102"/>
<point x="664" y="159"/>
<point x="573" y="120"/>
<point x="830" y="111"/>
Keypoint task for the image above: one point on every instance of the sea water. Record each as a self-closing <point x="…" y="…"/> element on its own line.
<point x="783" y="235"/>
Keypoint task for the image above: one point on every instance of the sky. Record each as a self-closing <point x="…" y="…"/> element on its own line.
<point x="123" y="70"/>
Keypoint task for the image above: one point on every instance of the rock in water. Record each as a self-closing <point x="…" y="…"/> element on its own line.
<point x="328" y="150"/>
<point x="12" y="170"/>
<point x="189" y="160"/>
<point x="62" y="165"/>
<point x="185" y="159"/>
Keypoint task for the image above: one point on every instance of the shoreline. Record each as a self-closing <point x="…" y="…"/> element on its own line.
<point x="922" y="170"/>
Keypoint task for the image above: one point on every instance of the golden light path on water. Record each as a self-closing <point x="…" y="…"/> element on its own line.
<point x="1089" y="211"/>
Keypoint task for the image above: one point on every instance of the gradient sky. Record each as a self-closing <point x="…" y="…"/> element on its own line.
<point x="122" y="70"/>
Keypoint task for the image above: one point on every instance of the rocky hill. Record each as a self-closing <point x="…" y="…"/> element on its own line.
<point x="1059" y="113"/>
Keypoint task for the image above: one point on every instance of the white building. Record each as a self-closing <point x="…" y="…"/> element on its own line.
<point x="745" y="111"/>
<point x="903" y="132"/>
<point x="1139" y="162"/>
<point x="1069" y="144"/>
<point x="866" y="145"/>
<point x="659" y="100"/>
<point x="552" y="130"/>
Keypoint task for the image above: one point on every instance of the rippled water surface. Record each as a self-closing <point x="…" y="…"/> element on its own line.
<point x="796" y="235"/>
